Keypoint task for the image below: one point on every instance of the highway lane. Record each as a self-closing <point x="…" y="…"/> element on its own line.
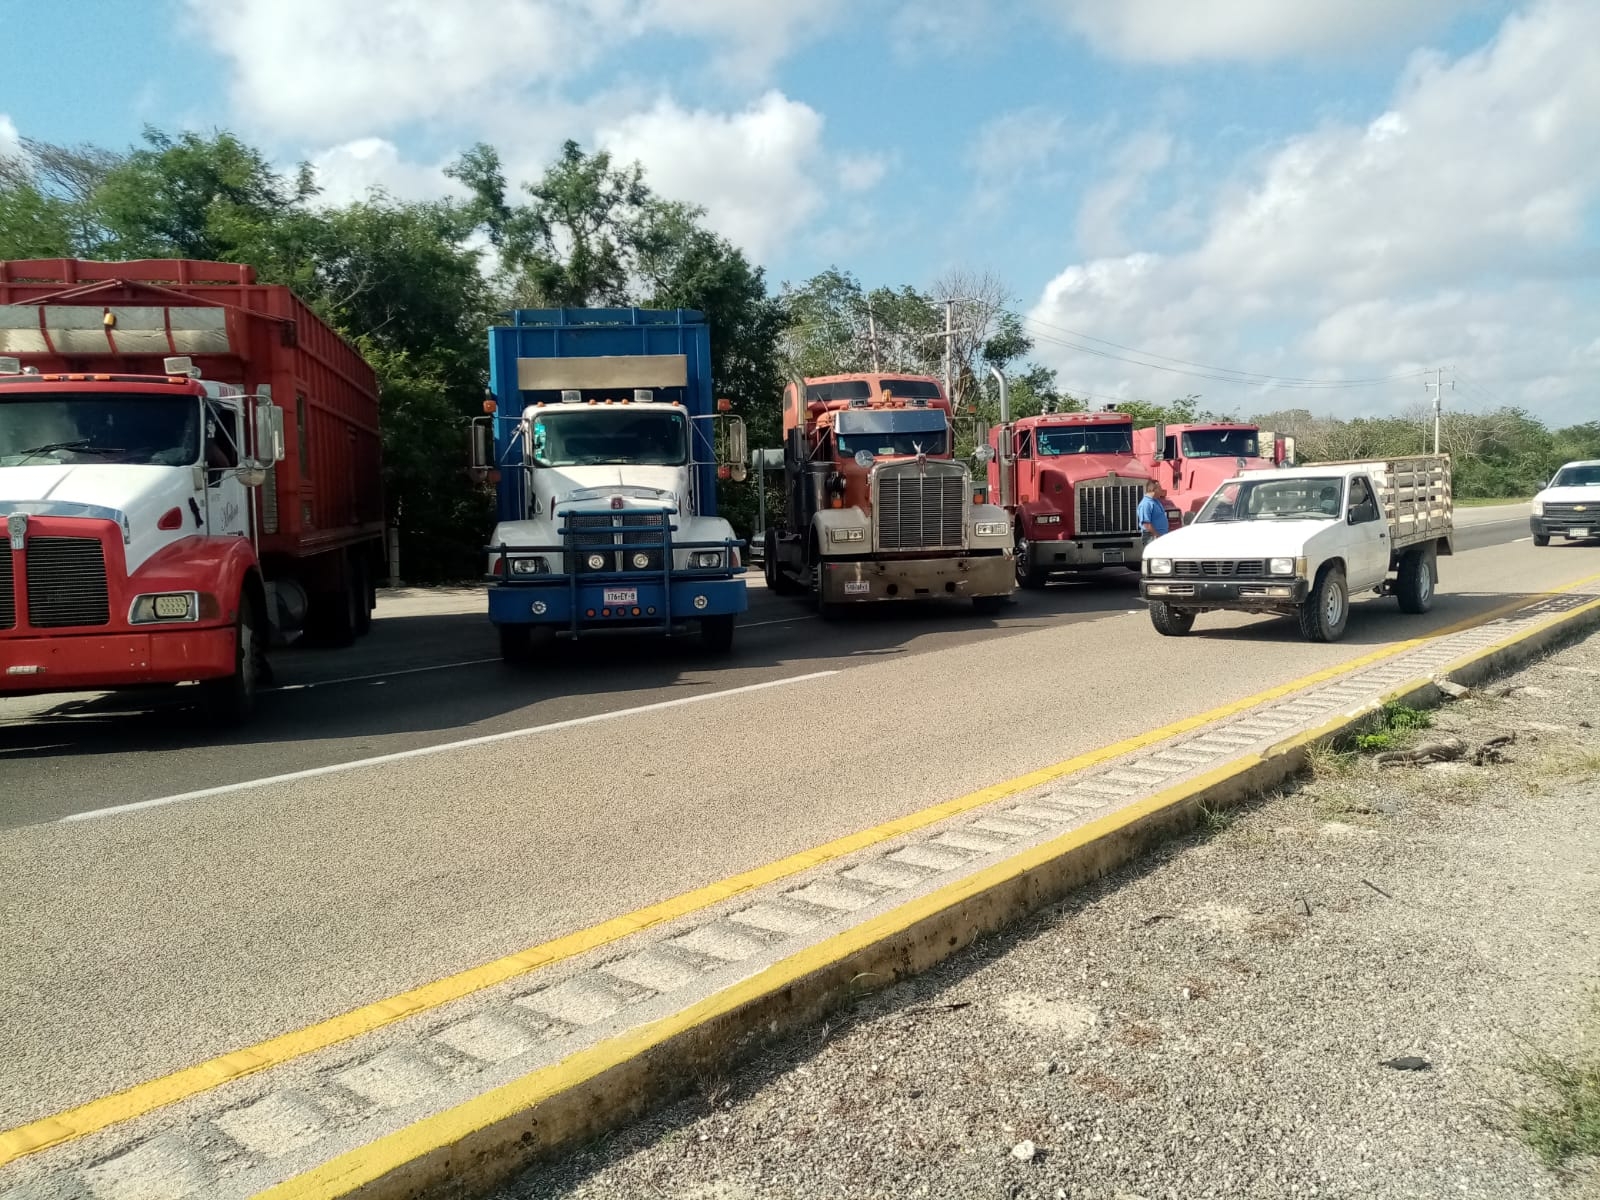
<point x="140" y="942"/>
<point x="429" y="674"/>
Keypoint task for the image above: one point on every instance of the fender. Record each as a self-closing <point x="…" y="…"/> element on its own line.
<point x="828" y="519"/>
<point x="213" y="565"/>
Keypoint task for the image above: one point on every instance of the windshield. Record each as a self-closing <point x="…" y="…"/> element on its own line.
<point x="887" y="433"/>
<point x="629" y="436"/>
<point x="1221" y="443"/>
<point x="1588" y="476"/>
<point x="1274" y="500"/>
<point x="1085" y="439"/>
<point x="99" y="427"/>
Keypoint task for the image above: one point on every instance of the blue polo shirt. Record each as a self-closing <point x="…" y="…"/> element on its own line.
<point x="1150" y="511"/>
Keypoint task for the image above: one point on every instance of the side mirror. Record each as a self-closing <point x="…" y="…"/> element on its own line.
<point x="269" y="433"/>
<point x="1266" y="444"/>
<point x="1288" y="450"/>
<point x="735" y="447"/>
<point x="482" y="449"/>
<point x="253" y="476"/>
<point x="1160" y="454"/>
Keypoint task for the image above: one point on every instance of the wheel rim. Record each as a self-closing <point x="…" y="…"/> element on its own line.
<point x="1333" y="606"/>
<point x="1425" y="583"/>
<point x="247" y="656"/>
<point x="1021" y="554"/>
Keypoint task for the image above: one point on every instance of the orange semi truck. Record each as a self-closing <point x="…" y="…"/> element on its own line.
<point x="1191" y="461"/>
<point x="189" y="464"/>
<point x="878" y="507"/>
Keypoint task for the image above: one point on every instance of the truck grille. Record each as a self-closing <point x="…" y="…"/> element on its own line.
<point x="1109" y="508"/>
<point x="921" y="511"/>
<point x="1221" y="568"/>
<point x="1578" y="514"/>
<point x="8" y="595"/>
<point x="588" y="531"/>
<point x="66" y="582"/>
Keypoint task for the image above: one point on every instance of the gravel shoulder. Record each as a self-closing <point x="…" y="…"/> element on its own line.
<point x="1214" y="1021"/>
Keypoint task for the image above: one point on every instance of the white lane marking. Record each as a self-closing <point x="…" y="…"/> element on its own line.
<point x="316" y="683"/>
<point x="781" y="621"/>
<point x="442" y="748"/>
<point x="1526" y="539"/>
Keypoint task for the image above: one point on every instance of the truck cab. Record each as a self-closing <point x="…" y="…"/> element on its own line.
<point x="1191" y="461"/>
<point x="878" y="507"/>
<point x="1071" y="483"/>
<point x="604" y="455"/>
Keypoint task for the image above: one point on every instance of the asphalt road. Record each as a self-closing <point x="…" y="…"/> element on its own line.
<point x="137" y="941"/>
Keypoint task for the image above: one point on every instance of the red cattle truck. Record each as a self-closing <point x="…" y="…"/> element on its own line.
<point x="189" y="463"/>
<point x="1192" y="461"/>
<point x="1072" y="485"/>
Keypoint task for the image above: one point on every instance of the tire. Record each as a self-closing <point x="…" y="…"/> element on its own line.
<point x="1414" y="587"/>
<point x="361" y="590"/>
<point x="988" y="606"/>
<point x="516" y="644"/>
<point x="335" y="617"/>
<point x="778" y="583"/>
<point x="1029" y="576"/>
<point x="716" y="633"/>
<point x="231" y="701"/>
<point x="1541" y="539"/>
<point x="1326" y="611"/>
<point x="1169" y="621"/>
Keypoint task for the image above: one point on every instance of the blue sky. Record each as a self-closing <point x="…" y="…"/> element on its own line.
<point x="1352" y="190"/>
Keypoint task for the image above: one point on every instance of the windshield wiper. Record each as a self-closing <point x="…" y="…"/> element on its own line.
<point x="81" y="445"/>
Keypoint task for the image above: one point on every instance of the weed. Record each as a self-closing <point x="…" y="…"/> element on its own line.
<point x="1216" y="820"/>
<point x="1569" y="1125"/>
<point x="1135" y="1034"/>
<point x="1395" y="723"/>
<point x="1326" y="761"/>
<point x="1110" y="1086"/>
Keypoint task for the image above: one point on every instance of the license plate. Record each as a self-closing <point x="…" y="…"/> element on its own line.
<point x="1577" y="533"/>
<point x="857" y="587"/>
<point x="1111" y="556"/>
<point x="622" y="596"/>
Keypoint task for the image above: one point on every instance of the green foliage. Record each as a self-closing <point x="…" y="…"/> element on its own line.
<point x="1395" y="723"/>
<point x="1566" y="1125"/>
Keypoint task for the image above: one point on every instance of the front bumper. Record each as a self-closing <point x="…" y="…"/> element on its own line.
<point x="1086" y="553"/>
<point x="99" y="662"/>
<point x="866" y="581"/>
<point x="652" y="604"/>
<point x="1242" y="593"/>
<point x="1567" y="527"/>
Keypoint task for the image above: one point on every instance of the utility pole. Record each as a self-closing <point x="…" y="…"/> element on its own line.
<point x="1438" y="395"/>
<point x="872" y="336"/>
<point x="949" y="335"/>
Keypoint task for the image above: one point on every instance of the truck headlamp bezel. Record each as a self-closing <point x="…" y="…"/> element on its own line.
<point x="1159" y="566"/>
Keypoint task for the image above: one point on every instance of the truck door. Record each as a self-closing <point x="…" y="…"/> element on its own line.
<point x="227" y="504"/>
<point x="1369" y="537"/>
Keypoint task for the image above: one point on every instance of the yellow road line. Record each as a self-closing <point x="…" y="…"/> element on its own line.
<point x="154" y="1094"/>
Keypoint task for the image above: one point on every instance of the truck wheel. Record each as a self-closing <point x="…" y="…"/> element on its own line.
<point x="778" y="583"/>
<point x="1541" y="539"/>
<point x="334" y="619"/>
<point x="1029" y="576"/>
<point x="1326" y="611"/>
<point x="1169" y="621"/>
<point x="716" y="633"/>
<point x="361" y="592"/>
<point x="232" y="700"/>
<point x="516" y="644"/>
<point x="1414" y="587"/>
<point x="988" y="606"/>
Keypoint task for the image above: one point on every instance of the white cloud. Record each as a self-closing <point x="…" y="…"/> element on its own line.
<point x="350" y="171"/>
<point x="755" y="34"/>
<point x="1185" y="30"/>
<point x="10" y="139"/>
<point x="1105" y="204"/>
<point x="761" y="173"/>
<point x="948" y="28"/>
<point x="1450" y="227"/>
<point x="1012" y="151"/>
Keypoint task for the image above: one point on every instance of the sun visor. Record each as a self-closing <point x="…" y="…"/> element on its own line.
<point x="603" y="371"/>
<point x="81" y="329"/>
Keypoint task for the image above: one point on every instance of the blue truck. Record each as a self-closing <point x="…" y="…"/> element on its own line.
<point x="605" y="447"/>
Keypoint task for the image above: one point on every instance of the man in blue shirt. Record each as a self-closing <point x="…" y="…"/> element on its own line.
<point x="1152" y="513"/>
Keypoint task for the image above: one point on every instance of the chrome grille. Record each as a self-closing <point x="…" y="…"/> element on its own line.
<point x="1108" y="508"/>
<point x="590" y="530"/>
<point x="921" y="511"/>
<point x="8" y="595"/>
<point x="66" y="582"/>
<point x="1576" y="513"/>
<point x="1221" y="568"/>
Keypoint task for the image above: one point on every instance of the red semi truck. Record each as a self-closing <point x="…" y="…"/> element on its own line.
<point x="189" y="464"/>
<point x="1191" y="461"/>
<point x="1072" y="485"/>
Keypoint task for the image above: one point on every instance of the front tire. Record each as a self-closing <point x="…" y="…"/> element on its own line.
<point x="1414" y="587"/>
<point x="1326" y="611"/>
<point x="232" y="701"/>
<point x="1029" y="576"/>
<point x="1541" y="539"/>
<point x="1169" y="621"/>
<point x="778" y="583"/>
<point x="988" y="606"/>
<point x="716" y="633"/>
<point x="516" y="644"/>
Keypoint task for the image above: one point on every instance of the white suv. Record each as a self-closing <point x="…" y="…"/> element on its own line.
<point x="1569" y="505"/>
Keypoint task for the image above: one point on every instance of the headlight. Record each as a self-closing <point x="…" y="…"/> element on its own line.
<point x="993" y="528"/>
<point x="1281" y="566"/>
<point x="1538" y="508"/>
<point x="706" y="559"/>
<point x="1159" y="566"/>
<point x="845" y="535"/>
<point x="596" y="561"/>
<point x="166" y="606"/>
<point x="1048" y="519"/>
<point x="529" y="566"/>
<point x="640" y="560"/>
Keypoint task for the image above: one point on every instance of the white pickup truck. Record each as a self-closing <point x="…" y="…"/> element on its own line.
<point x="1302" y="540"/>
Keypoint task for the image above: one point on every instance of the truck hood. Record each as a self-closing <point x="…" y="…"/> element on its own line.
<point x="1239" y="539"/>
<point x="133" y="496"/>
<point x="1078" y="467"/>
<point x="572" y="485"/>
<point x="1571" y="495"/>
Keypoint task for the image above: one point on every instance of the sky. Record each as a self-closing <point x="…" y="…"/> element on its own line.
<point x="1268" y="204"/>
